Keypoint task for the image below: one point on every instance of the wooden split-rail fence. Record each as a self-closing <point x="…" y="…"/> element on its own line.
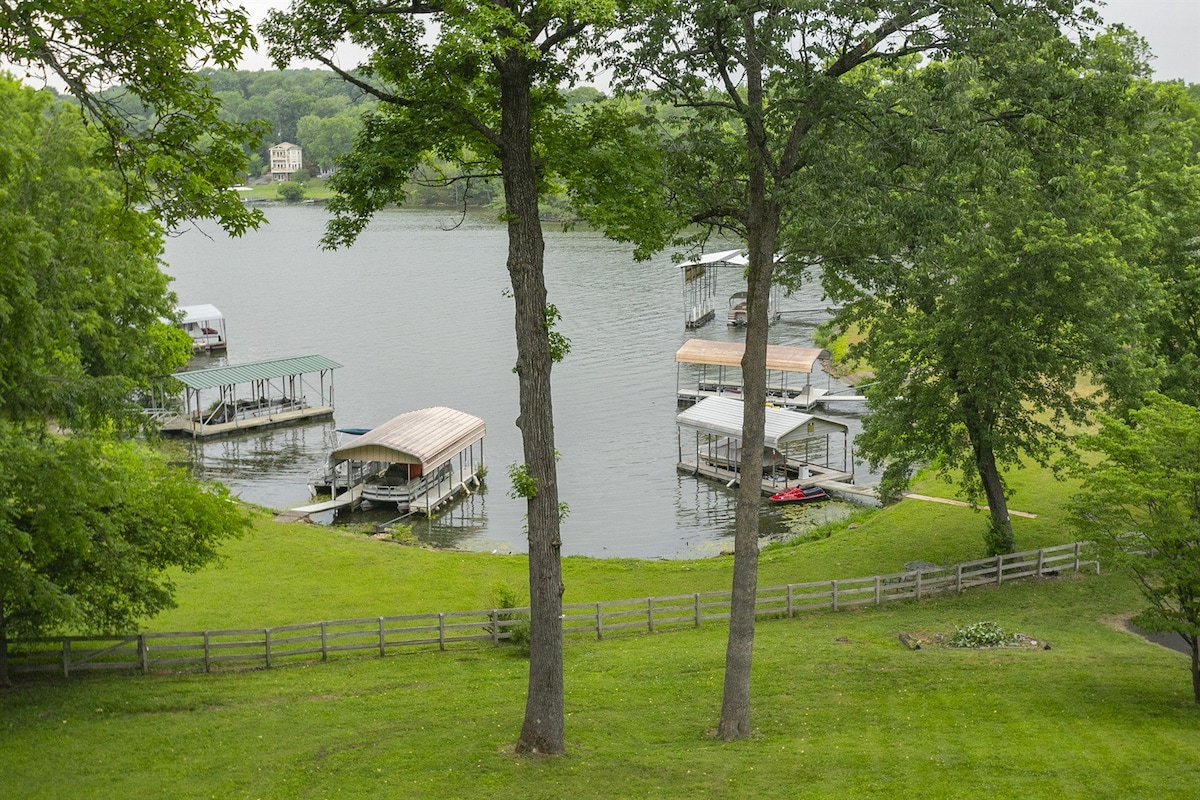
<point x="267" y="647"/>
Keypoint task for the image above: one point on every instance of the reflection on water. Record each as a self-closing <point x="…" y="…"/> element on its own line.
<point x="418" y="316"/>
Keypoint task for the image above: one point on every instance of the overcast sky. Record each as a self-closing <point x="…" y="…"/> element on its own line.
<point x="1172" y="27"/>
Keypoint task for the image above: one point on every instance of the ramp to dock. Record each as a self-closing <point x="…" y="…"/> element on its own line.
<point x="341" y="501"/>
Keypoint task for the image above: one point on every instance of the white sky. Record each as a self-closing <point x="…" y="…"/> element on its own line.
<point x="1172" y="27"/>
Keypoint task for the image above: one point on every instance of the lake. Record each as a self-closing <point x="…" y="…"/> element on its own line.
<point x="417" y="313"/>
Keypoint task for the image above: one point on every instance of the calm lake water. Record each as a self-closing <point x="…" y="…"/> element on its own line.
<point x="417" y="315"/>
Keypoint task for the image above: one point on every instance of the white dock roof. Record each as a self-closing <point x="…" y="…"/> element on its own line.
<point x="733" y="257"/>
<point x="428" y="436"/>
<point x="729" y="354"/>
<point x="201" y="313"/>
<point x="722" y="416"/>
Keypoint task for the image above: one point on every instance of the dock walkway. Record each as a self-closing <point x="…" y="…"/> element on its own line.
<point x="819" y="476"/>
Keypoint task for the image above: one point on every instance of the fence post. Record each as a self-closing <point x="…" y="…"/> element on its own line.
<point x="495" y="618"/>
<point x="324" y="642"/>
<point x="789" y="601"/>
<point x="66" y="653"/>
<point x="958" y="578"/>
<point x="441" y="631"/>
<point x="381" y="636"/>
<point x="918" y="584"/>
<point x="1041" y="561"/>
<point x="650" y="613"/>
<point x="999" y="569"/>
<point x="599" y="623"/>
<point x="207" y="657"/>
<point x="267" y="644"/>
<point x="878" y="590"/>
<point x="696" y="606"/>
<point x="143" y="654"/>
<point x="1077" y="556"/>
<point x="833" y="596"/>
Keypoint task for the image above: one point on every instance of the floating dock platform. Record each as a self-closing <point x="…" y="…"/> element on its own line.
<point x="263" y="394"/>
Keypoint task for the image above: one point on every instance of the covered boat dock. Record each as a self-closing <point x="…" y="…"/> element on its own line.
<point x="225" y="400"/>
<point x="798" y="449"/>
<point x="426" y="458"/>
<point x="714" y="369"/>
<point x="700" y="289"/>
<point x="206" y="325"/>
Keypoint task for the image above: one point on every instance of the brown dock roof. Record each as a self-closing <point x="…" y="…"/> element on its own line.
<point x="428" y="436"/>
<point x="729" y="354"/>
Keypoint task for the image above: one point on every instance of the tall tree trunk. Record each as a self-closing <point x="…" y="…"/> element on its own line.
<point x="762" y="228"/>
<point x="543" y="729"/>
<point x="1194" y="641"/>
<point x="5" y="680"/>
<point x="1000" y="537"/>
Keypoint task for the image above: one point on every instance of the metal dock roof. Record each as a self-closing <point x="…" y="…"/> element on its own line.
<point x="428" y="436"/>
<point x="254" y="371"/>
<point x="201" y="313"/>
<point x="722" y="416"/>
<point x="729" y="354"/>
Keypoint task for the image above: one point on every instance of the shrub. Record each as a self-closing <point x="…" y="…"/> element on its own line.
<point x="290" y="191"/>
<point x="981" y="634"/>
<point x="506" y="596"/>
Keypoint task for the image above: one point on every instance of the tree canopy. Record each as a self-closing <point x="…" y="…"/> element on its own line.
<point x="185" y="163"/>
<point x="476" y="85"/>
<point x="776" y="94"/>
<point x="1000" y="252"/>
<point x="88" y="524"/>
<point x="1141" y="504"/>
<point x="83" y="301"/>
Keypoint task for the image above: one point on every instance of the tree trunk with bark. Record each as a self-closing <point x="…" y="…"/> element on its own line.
<point x="5" y="680"/>
<point x="762" y="231"/>
<point x="1000" y="537"/>
<point x="543" y="728"/>
<point x="1194" y="641"/>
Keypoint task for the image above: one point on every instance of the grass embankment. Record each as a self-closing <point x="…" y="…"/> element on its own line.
<point x="314" y="189"/>
<point x="841" y="709"/>
<point x="282" y="574"/>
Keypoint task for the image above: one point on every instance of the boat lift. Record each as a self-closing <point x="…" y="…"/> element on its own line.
<point x="716" y="368"/>
<point x="206" y="325"/>
<point x="700" y="289"/>
<point x="798" y="449"/>
<point x="418" y="461"/>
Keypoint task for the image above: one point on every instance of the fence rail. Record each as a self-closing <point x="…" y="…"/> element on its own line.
<point x="266" y="647"/>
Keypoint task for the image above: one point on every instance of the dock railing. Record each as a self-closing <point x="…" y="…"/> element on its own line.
<point x="249" y="648"/>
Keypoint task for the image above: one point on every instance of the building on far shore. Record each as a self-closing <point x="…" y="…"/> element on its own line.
<point x="286" y="159"/>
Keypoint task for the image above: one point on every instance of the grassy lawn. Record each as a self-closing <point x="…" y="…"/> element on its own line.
<point x="314" y="189"/>
<point x="291" y="573"/>
<point x="841" y="708"/>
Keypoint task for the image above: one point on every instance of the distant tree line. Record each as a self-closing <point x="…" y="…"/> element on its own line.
<point x="315" y="109"/>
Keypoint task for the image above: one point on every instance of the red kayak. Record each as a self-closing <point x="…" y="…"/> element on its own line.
<point x="800" y="494"/>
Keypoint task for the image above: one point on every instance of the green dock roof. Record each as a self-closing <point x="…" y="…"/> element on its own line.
<point x="255" y="371"/>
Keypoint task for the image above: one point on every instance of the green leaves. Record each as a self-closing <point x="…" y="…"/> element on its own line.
<point x="186" y="162"/>
<point x="82" y="298"/>
<point x="1141" y="504"/>
<point x="88" y="528"/>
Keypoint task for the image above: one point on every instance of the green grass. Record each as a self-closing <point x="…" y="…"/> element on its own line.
<point x="290" y="573"/>
<point x="314" y="189"/>
<point x="840" y="708"/>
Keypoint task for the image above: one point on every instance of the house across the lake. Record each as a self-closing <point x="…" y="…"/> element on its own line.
<point x="286" y="159"/>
